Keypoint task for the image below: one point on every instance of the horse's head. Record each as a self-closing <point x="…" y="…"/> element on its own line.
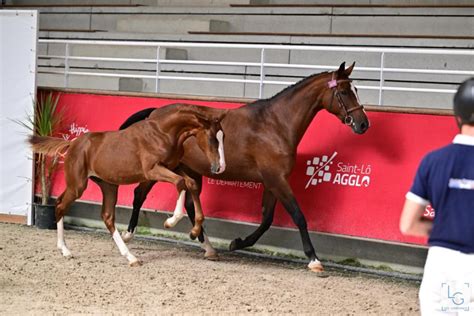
<point x="342" y="100"/>
<point x="210" y="138"/>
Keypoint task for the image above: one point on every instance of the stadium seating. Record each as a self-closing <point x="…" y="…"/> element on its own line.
<point x="369" y="23"/>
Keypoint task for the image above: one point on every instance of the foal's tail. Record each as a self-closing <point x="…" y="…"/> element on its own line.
<point x="50" y="146"/>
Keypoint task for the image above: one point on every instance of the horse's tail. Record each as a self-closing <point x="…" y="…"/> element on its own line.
<point x="49" y="146"/>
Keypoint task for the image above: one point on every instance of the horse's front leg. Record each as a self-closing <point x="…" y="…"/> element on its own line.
<point x="281" y="189"/>
<point x="268" y="209"/>
<point x="109" y="192"/>
<point x="194" y="185"/>
<point x="210" y="253"/>
<point x="161" y="173"/>
<point x="178" y="212"/>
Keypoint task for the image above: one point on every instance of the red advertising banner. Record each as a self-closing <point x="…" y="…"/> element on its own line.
<point x="345" y="183"/>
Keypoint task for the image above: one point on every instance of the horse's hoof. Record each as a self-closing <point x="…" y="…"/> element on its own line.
<point x="316" y="266"/>
<point x="167" y="225"/>
<point x="127" y="236"/>
<point x="66" y="253"/>
<point x="192" y="235"/>
<point x="211" y="255"/>
<point x="236" y="244"/>
<point x="136" y="263"/>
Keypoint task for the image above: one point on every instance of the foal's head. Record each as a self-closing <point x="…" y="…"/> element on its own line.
<point x="210" y="138"/>
<point x="342" y="100"/>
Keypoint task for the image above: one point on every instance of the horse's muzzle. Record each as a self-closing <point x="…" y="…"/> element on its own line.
<point x="216" y="168"/>
<point x="360" y="128"/>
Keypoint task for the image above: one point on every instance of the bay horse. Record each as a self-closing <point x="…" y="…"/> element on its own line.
<point x="262" y="148"/>
<point x="147" y="151"/>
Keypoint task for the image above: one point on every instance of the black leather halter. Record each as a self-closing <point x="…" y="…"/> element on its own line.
<point x="348" y="119"/>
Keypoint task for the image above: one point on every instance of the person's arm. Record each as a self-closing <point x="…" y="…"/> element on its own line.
<point x="412" y="221"/>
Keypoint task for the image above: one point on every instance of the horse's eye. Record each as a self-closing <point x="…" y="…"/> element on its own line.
<point x="344" y="92"/>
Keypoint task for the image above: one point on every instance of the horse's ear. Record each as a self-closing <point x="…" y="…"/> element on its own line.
<point x="348" y="71"/>
<point x="341" y="69"/>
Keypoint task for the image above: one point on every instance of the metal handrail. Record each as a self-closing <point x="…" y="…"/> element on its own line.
<point x="262" y="65"/>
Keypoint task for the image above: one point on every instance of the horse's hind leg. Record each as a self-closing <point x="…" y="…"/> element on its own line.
<point x="139" y="195"/>
<point x="268" y="209"/>
<point x="62" y="205"/>
<point x="109" y="192"/>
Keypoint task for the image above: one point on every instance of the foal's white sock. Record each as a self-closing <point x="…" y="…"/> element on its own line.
<point x="178" y="211"/>
<point x="61" y="243"/>
<point x="123" y="248"/>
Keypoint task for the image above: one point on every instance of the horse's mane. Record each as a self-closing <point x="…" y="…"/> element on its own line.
<point x="297" y="85"/>
<point x="288" y="89"/>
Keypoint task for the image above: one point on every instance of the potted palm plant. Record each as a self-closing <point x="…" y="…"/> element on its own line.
<point x="46" y="121"/>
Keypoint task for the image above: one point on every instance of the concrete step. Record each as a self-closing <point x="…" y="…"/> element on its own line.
<point x="194" y="3"/>
<point x="172" y="3"/>
<point x="165" y="25"/>
<point x="359" y="2"/>
<point x="340" y="23"/>
<point x="268" y="38"/>
<point x="67" y="2"/>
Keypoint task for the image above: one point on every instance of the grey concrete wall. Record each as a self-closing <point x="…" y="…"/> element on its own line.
<point x="328" y="20"/>
<point x="350" y="2"/>
<point x="328" y="246"/>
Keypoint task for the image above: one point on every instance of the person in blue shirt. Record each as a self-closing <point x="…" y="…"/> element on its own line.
<point x="445" y="179"/>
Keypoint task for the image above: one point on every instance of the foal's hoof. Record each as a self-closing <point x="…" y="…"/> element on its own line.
<point x="193" y="235"/>
<point x="236" y="244"/>
<point x="211" y="255"/>
<point x="195" y="232"/>
<point x="135" y="263"/>
<point x="316" y="266"/>
<point x="68" y="256"/>
<point x="65" y="253"/>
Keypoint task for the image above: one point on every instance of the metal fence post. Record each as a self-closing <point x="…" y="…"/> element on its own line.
<point x="157" y="81"/>
<point x="262" y="73"/>
<point x="66" y="66"/>
<point x="382" y="64"/>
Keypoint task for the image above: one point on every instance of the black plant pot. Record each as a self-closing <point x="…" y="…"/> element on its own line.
<point x="45" y="217"/>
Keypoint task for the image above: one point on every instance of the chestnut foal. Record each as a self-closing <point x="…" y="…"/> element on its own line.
<point x="147" y="151"/>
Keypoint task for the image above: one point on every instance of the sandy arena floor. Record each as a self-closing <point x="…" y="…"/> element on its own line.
<point x="35" y="279"/>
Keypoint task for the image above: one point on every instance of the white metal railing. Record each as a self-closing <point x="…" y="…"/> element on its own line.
<point x="261" y="64"/>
